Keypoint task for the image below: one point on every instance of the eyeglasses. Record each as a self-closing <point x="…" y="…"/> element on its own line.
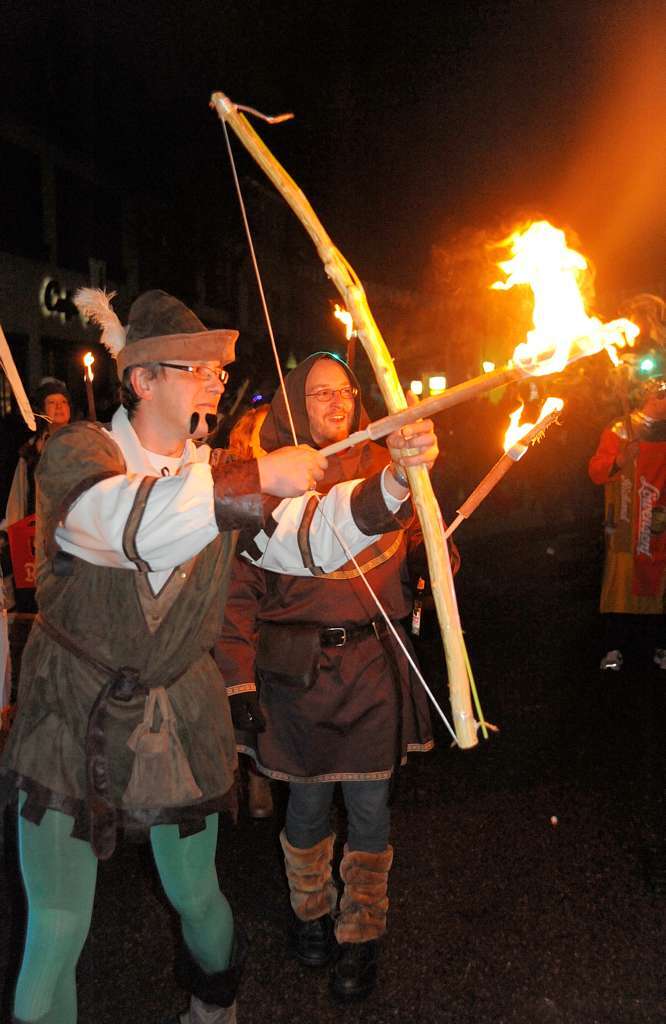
<point x="202" y="373"/>
<point x="326" y="394"/>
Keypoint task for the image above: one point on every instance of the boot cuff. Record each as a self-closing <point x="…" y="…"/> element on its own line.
<point x="355" y="862"/>
<point x="311" y="887"/>
<point x="217" y="989"/>
<point x="364" y="903"/>
<point x="299" y="859"/>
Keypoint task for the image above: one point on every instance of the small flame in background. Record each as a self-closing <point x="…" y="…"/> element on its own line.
<point x="88" y="360"/>
<point x="342" y="314"/>
<point x="563" y="330"/>
<point x="517" y="430"/>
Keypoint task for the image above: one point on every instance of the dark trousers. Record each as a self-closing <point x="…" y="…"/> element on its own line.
<point x="369" y="818"/>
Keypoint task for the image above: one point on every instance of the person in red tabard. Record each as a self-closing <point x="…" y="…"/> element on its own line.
<point x="630" y="462"/>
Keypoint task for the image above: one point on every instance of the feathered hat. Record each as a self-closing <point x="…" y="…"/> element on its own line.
<point x="160" y="328"/>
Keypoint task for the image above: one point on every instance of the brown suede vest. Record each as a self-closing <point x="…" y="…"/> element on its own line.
<point x="113" y="617"/>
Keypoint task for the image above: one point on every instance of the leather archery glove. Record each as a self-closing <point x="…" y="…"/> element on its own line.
<point x="246" y="713"/>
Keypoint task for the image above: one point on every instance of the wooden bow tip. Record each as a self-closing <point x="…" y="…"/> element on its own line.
<point x="218" y="99"/>
<point x="221" y="102"/>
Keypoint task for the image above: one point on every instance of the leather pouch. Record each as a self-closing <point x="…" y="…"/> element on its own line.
<point x="161" y="774"/>
<point x="288" y="654"/>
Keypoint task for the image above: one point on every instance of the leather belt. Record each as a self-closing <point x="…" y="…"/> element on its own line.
<point x="338" y="636"/>
<point x="122" y="683"/>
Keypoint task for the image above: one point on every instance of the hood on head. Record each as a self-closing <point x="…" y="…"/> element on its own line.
<point x="359" y="461"/>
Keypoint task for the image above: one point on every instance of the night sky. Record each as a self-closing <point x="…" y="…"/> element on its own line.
<point x="412" y="120"/>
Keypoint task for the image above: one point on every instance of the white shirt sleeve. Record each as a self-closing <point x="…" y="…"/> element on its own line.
<point x="179" y="521"/>
<point x="332" y="527"/>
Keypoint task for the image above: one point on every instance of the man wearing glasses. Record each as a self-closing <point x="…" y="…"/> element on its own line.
<point x="123" y="721"/>
<point x="335" y="700"/>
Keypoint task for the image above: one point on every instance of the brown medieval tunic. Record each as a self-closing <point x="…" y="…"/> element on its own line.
<point x="365" y="709"/>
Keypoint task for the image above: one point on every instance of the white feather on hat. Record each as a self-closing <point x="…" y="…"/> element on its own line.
<point x="95" y="304"/>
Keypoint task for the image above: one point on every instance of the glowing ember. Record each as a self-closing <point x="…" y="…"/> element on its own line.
<point x="88" y="360"/>
<point x="563" y="330"/>
<point x="342" y="314"/>
<point x="517" y="430"/>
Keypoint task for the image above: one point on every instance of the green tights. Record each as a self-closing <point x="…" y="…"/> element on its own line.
<point x="60" y="873"/>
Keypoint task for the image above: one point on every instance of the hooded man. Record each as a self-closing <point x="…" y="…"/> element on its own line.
<point x="122" y="721"/>
<point x="335" y="694"/>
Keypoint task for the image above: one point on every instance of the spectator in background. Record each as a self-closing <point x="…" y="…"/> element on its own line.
<point x="53" y="408"/>
<point x="630" y="462"/>
<point x="244" y="440"/>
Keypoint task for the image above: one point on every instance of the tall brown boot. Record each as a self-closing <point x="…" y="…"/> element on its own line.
<point x="361" y="922"/>
<point x="313" y="898"/>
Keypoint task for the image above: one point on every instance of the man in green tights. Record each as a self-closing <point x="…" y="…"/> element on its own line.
<point x="123" y="721"/>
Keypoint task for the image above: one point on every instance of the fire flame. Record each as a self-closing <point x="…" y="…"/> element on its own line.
<point x="88" y="360"/>
<point x="563" y="330"/>
<point x="517" y="430"/>
<point x="346" y="317"/>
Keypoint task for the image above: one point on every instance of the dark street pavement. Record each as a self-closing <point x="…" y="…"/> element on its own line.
<point x="529" y="882"/>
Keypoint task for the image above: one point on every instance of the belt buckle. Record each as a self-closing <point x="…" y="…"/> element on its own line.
<point x="342" y="636"/>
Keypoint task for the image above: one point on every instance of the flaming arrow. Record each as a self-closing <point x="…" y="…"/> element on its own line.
<point x="517" y="440"/>
<point x="353" y="294"/>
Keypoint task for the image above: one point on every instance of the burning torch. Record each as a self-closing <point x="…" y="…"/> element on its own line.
<point x="517" y="440"/>
<point x="88" y="377"/>
<point x="563" y="331"/>
<point x="345" y="317"/>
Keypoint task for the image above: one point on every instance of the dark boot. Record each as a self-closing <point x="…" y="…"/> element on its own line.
<point x="313" y="897"/>
<point x="361" y="922"/>
<point x="313" y="942"/>
<point x="213" y="999"/>
<point x="354" y="974"/>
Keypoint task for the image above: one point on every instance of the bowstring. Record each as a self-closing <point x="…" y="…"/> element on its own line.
<point x="326" y="519"/>
<point x="269" y="324"/>
<point x="384" y="614"/>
